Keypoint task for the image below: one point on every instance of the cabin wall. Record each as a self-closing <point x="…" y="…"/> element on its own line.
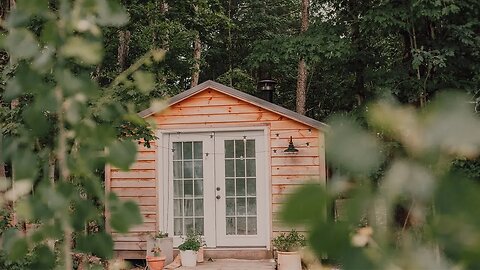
<point x="211" y="108"/>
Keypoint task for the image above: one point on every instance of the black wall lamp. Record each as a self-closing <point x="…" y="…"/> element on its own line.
<point x="291" y="148"/>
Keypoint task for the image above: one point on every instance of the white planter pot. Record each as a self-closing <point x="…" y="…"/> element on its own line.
<point x="289" y="261"/>
<point x="189" y="258"/>
<point x="165" y="244"/>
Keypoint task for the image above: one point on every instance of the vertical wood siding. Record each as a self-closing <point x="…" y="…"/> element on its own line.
<point x="211" y="108"/>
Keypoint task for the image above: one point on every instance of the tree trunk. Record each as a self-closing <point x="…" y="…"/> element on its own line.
<point x="197" y="53"/>
<point x="302" y="65"/>
<point x="123" y="48"/>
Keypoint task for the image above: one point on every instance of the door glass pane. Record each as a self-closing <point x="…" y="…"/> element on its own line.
<point x="197" y="150"/>
<point x="251" y="187"/>
<point x="198" y="188"/>
<point x="241" y="225"/>
<point x="230" y="207"/>
<point x="229" y="168"/>
<point x="240" y="167"/>
<point x="251" y="225"/>
<point x="241" y="201"/>
<point x="250" y="147"/>
<point x="177" y="151"/>
<point x="230" y="221"/>
<point x="178" y="188"/>
<point x="177" y="170"/>
<point x="198" y="169"/>
<point x="230" y="187"/>
<point x="239" y="149"/>
<point x="229" y="149"/>
<point x="251" y="206"/>
<point x="187" y="150"/>
<point x="187" y="168"/>
<point x="240" y="187"/>
<point x="251" y="167"/>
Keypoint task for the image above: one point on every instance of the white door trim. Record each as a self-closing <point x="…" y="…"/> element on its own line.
<point x="163" y="174"/>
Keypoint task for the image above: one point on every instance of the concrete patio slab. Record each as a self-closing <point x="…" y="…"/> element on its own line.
<point x="234" y="264"/>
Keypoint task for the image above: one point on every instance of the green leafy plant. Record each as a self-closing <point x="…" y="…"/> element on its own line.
<point x="419" y="212"/>
<point x="289" y="242"/>
<point x="160" y="234"/>
<point x="193" y="241"/>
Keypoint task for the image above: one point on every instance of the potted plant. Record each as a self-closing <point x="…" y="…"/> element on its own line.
<point x="156" y="262"/>
<point x="162" y="241"/>
<point x="189" y="249"/>
<point x="288" y="246"/>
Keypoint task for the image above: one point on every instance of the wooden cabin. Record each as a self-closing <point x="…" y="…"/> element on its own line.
<point x="219" y="167"/>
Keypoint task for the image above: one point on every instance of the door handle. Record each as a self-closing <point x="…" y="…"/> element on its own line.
<point x="218" y="188"/>
<point x="218" y="197"/>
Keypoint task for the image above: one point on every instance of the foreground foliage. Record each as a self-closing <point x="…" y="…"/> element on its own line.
<point x="66" y="130"/>
<point x="419" y="212"/>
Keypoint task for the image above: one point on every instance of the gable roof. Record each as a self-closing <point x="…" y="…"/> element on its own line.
<point x="242" y="96"/>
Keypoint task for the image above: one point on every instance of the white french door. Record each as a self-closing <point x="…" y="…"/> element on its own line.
<point x="216" y="186"/>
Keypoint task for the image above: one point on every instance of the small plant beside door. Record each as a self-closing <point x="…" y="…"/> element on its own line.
<point x="189" y="249"/>
<point x="162" y="244"/>
<point x="156" y="262"/>
<point x="287" y="247"/>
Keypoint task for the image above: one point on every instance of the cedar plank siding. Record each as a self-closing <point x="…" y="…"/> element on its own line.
<point x="211" y="108"/>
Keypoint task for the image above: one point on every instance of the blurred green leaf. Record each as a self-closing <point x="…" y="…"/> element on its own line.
<point x="145" y="81"/>
<point x="312" y="195"/>
<point x="21" y="44"/>
<point x="86" y="51"/>
<point x="122" y="154"/>
<point x="352" y="148"/>
<point x="123" y="214"/>
<point x="99" y="244"/>
<point x="111" y="13"/>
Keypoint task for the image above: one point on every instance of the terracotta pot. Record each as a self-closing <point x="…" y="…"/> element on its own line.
<point x="189" y="258"/>
<point x="165" y="244"/>
<point x="289" y="260"/>
<point x="155" y="263"/>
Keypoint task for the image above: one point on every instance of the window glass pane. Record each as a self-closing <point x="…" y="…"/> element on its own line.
<point x="189" y="225"/>
<point x="177" y="150"/>
<point x="229" y="148"/>
<point x="241" y="225"/>
<point x="230" y="187"/>
<point x="187" y="150"/>
<point x="251" y="225"/>
<point x="199" y="225"/>
<point x="189" y="207"/>
<point x="250" y="148"/>
<point x="188" y="188"/>
<point x="229" y="169"/>
<point x="198" y="170"/>
<point x="251" y="206"/>
<point x="178" y="207"/>
<point x="198" y="188"/>
<point x="251" y="167"/>
<point x="177" y="169"/>
<point x="177" y="226"/>
<point x="197" y="150"/>
<point x="187" y="169"/>
<point x="240" y="187"/>
<point x="199" y="207"/>
<point x="178" y="188"/>
<point x="239" y="149"/>
<point x="230" y="225"/>
<point x="251" y="187"/>
<point x="230" y="206"/>
<point x="241" y="206"/>
<point x="240" y="167"/>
